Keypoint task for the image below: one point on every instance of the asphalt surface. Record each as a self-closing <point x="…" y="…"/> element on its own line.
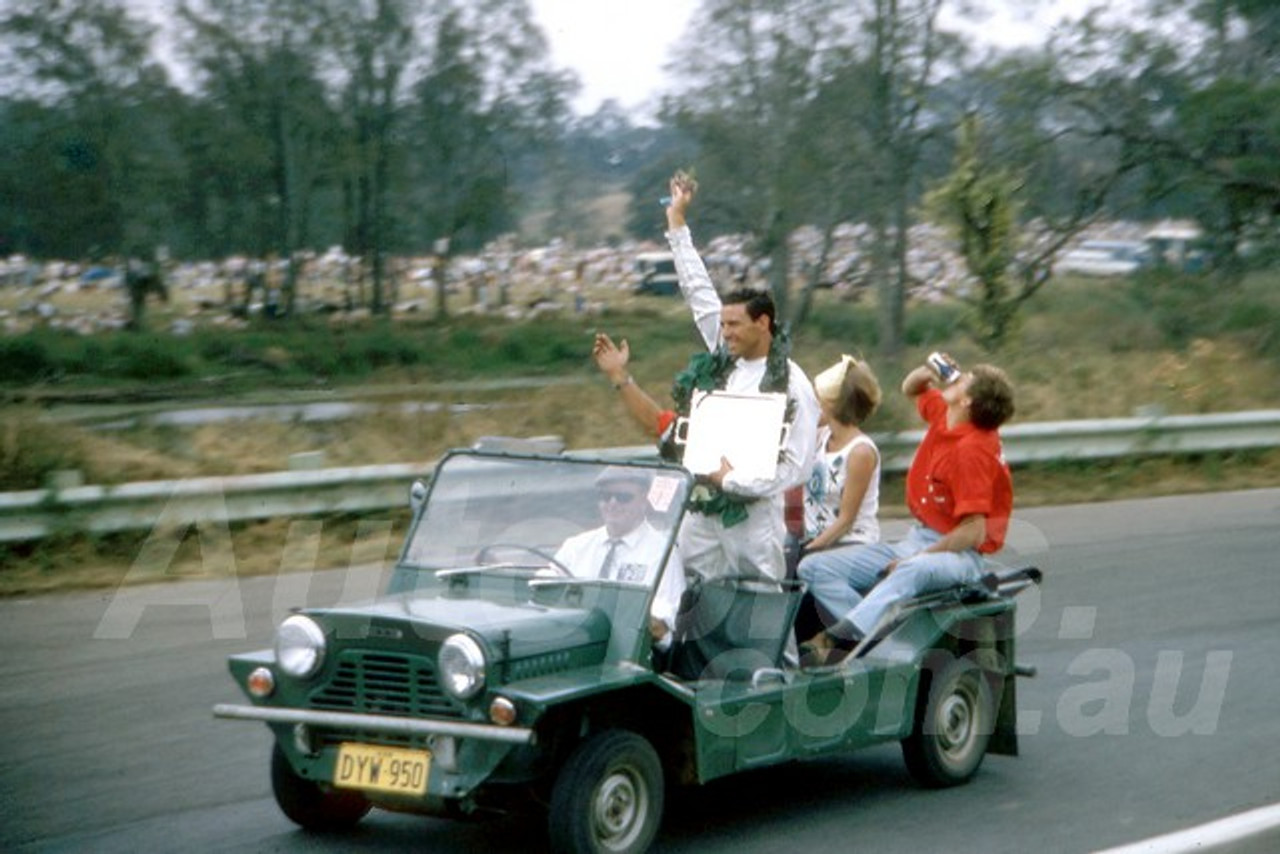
<point x="1156" y="638"/>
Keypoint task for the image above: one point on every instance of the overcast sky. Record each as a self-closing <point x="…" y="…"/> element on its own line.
<point x="619" y="48"/>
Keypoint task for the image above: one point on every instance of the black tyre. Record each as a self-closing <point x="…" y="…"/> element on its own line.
<point x="608" y="796"/>
<point x="953" y="727"/>
<point x="310" y="804"/>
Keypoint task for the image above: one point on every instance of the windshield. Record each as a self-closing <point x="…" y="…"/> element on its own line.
<point x="553" y="520"/>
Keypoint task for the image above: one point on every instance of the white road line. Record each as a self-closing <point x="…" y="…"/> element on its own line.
<point x="1200" y="838"/>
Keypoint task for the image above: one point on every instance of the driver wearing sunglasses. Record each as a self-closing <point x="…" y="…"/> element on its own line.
<point x="627" y="548"/>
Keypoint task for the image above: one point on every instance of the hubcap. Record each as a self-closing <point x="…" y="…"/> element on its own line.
<point x="955" y="723"/>
<point x="619" y="810"/>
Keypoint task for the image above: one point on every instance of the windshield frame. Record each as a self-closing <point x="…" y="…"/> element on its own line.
<point x="474" y="496"/>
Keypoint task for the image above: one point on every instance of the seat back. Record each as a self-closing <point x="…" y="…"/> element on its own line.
<point x="732" y="628"/>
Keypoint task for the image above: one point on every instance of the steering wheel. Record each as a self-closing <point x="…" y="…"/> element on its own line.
<point x="486" y="554"/>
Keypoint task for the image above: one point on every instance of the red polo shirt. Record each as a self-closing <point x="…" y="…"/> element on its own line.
<point x="959" y="472"/>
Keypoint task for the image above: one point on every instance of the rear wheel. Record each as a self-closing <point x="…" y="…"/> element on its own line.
<point x="608" y="796"/>
<point x="310" y="804"/>
<point x="953" y="727"/>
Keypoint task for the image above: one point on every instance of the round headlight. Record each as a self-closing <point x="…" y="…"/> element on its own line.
<point x="461" y="666"/>
<point x="299" y="646"/>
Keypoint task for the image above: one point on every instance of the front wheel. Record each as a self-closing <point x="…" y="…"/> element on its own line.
<point x="310" y="805"/>
<point x="608" y="796"/>
<point x="952" y="727"/>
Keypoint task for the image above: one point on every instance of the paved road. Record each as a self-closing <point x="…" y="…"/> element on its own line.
<point x="1156" y="636"/>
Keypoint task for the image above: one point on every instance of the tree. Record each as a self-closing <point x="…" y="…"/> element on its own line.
<point x="750" y="71"/>
<point x="375" y="44"/>
<point x="978" y="203"/>
<point x="1230" y="122"/>
<point x="255" y="64"/>
<point x="1196" y="106"/>
<point x="487" y="101"/>
<point x="91" y="86"/>
<point x="808" y="112"/>
<point x="1231" y="140"/>
<point x="1032" y="168"/>
<point x="908" y="54"/>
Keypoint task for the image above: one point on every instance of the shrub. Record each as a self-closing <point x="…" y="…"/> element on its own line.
<point x="145" y="357"/>
<point x="88" y="358"/>
<point x="854" y="326"/>
<point x="539" y="345"/>
<point x="30" y="449"/>
<point x="25" y="359"/>
<point x="219" y="348"/>
<point x="386" y="348"/>
<point x="933" y="325"/>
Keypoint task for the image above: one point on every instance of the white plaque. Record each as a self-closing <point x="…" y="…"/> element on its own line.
<point x="745" y="429"/>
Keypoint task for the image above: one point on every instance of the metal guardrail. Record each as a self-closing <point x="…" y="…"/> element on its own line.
<point x="34" y="514"/>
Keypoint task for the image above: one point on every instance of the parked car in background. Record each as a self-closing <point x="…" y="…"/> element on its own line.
<point x="1104" y="258"/>
<point x="656" y="274"/>
<point x="1178" y="245"/>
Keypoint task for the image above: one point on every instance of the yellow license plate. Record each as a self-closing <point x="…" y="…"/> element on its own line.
<point x="382" y="769"/>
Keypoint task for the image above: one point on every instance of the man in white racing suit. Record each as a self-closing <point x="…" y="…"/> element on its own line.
<point x="738" y="530"/>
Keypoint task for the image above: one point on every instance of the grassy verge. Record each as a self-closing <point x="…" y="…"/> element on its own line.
<point x="1083" y="350"/>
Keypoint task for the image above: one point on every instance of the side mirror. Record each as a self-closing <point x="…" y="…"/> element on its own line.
<point x="417" y="496"/>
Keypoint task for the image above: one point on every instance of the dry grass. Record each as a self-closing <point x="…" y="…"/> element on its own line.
<point x="294" y="545"/>
<point x="1210" y="377"/>
<point x="246" y="549"/>
<point x="1095" y="363"/>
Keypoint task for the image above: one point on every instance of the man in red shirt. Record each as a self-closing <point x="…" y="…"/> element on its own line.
<point x="958" y="489"/>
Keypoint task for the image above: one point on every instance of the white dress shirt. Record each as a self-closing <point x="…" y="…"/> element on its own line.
<point x="637" y="558"/>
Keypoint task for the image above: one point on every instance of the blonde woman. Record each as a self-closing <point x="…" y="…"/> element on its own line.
<point x="842" y="496"/>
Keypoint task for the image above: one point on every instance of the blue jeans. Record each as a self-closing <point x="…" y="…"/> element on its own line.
<point x="840" y="578"/>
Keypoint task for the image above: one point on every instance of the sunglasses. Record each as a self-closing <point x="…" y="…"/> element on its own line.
<point x="604" y="496"/>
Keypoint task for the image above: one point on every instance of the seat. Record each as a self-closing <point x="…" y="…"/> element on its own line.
<point x="733" y="628"/>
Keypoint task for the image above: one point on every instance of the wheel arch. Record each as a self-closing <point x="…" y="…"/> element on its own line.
<point x="952" y="726"/>
<point x="662" y="719"/>
<point x="988" y="641"/>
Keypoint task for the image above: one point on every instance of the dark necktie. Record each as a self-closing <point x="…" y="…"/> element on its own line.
<point x="606" y="568"/>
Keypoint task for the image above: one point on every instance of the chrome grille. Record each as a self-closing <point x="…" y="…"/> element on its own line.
<point x="380" y="683"/>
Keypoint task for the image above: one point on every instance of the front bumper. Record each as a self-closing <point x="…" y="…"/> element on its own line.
<point x="382" y="724"/>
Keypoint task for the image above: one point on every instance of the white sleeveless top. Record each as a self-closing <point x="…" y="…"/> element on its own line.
<point x="826" y="483"/>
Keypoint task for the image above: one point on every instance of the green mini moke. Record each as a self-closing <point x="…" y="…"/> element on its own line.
<point x="491" y="676"/>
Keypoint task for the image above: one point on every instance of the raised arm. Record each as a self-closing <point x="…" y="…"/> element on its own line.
<point x="926" y="376"/>
<point x="918" y="381"/>
<point x="695" y="283"/>
<point x="612" y="360"/>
